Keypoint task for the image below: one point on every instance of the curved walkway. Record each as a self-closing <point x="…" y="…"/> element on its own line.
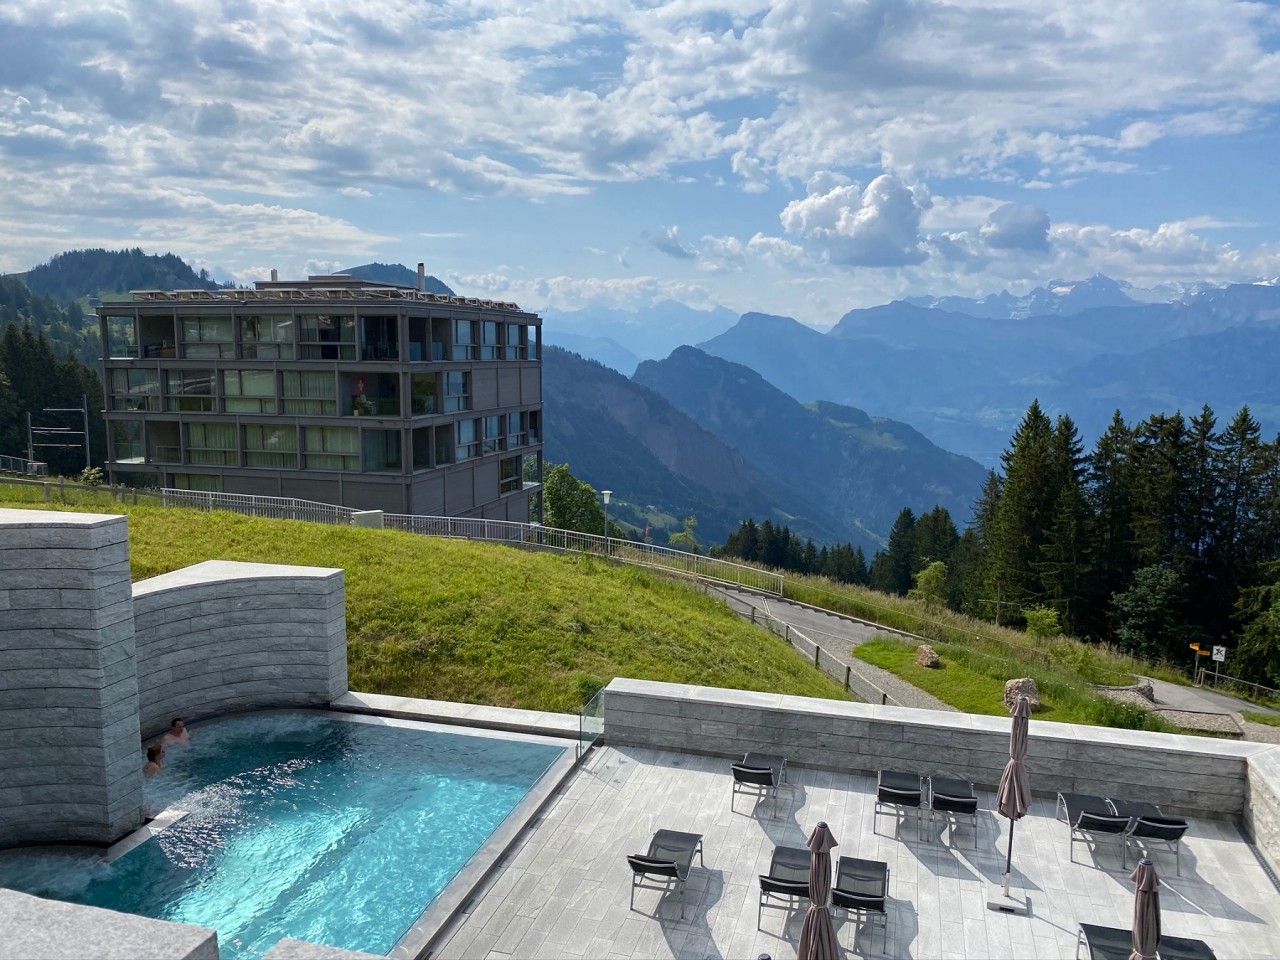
<point x="836" y="635"/>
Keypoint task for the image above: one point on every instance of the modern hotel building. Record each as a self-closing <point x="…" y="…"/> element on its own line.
<point x="335" y="389"/>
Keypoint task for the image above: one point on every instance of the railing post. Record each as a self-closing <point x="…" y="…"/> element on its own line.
<point x="817" y="652"/>
<point x="848" y="674"/>
<point x="787" y="632"/>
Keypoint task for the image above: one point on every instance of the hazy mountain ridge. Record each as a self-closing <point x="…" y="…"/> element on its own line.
<point x="600" y="349"/>
<point x="649" y="332"/>
<point x="398" y="274"/>
<point x="617" y="434"/>
<point x="863" y="468"/>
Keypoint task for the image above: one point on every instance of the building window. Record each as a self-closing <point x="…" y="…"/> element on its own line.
<point x="190" y="391"/>
<point x="457" y="391"/>
<point x="310" y="394"/>
<point x="327" y="336"/>
<point x="463" y="340"/>
<point x="444" y="444"/>
<point x="534" y="339"/>
<point x="423" y="386"/>
<point x="494" y="433"/>
<point x="122" y="337"/>
<point x="126" y="441"/>
<point x="515" y="430"/>
<point x="381" y="340"/>
<point x="510" y="476"/>
<point x="489" y="340"/>
<point x="381" y="451"/>
<point x="422" y="448"/>
<point x="331" y="448"/>
<point x="249" y="391"/>
<point x="267" y="446"/>
<point x="266" y="338"/>
<point x="135" y="388"/>
<point x="206" y="337"/>
<point x="533" y="420"/>
<point x="517" y="338"/>
<point x="468" y="443"/>
<point x="213" y="443"/>
<point x="197" y="481"/>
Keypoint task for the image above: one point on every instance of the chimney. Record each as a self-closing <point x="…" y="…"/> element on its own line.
<point x="422" y="276"/>
<point x="274" y="275"/>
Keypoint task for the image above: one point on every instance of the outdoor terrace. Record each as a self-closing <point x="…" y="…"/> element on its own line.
<point x="563" y="889"/>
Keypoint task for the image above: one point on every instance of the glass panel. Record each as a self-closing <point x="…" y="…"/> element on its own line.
<point x="310" y="394"/>
<point x="423" y="386"/>
<point x="381" y="339"/>
<point x="444" y="444"/>
<point x="266" y="338"/>
<point x="206" y="337"/>
<point x="493" y="434"/>
<point x="197" y="481"/>
<point x="213" y="443"/>
<point x="135" y="388"/>
<point x="510" y="475"/>
<point x="189" y="390"/>
<point x="468" y="445"/>
<point x="331" y="448"/>
<point x="268" y="446"/>
<point x="463" y="340"/>
<point x="457" y="391"/>
<point x="126" y="441"/>
<point x="422" y="448"/>
<point x="249" y="391"/>
<point x="122" y="337"/>
<point x="512" y="351"/>
<point x="382" y="450"/>
<point x="534" y="340"/>
<point x="327" y="336"/>
<point x="489" y="340"/>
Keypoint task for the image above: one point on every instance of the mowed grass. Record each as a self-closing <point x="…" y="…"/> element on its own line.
<point x="1257" y="716"/>
<point x="478" y="623"/>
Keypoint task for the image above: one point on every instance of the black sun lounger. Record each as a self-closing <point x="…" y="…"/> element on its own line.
<point x="953" y="799"/>
<point x="901" y="793"/>
<point x="667" y="863"/>
<point x="1113" y="943"/>
<point x="862" y="888"/>
<point x="788" y="879"/>
<point x="1091" y="820"/>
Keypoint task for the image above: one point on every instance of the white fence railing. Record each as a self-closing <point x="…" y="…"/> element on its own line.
<point x="23" y="467"/>
<point x="494" y="531"/>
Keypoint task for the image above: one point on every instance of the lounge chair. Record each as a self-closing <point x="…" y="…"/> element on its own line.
<point x="953" y="799"/>
<point x="862" y="888"/>
<point x="788" y="879"/>
<point x="757" y="781"/>
<point x="1113" y="943"/>
<point x="668" y="862"/>
<point x="901" y="793"/>
<point x="1144" y="832"/>
<point x="1091" y="820"/>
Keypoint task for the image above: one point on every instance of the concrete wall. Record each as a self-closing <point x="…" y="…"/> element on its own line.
<point x="1193" y="775"/>
<point x="39" y="929"/>
<point x="70" y="757"/>
<point x="1262" y="805"/>
<point x="222" y="636"/>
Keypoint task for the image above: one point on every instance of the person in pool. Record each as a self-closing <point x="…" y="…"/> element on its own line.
<point x="177" y="734"/>
<point x="155" y="760"/>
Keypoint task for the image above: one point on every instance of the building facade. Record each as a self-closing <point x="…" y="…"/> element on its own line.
<point x="334" y="389"/>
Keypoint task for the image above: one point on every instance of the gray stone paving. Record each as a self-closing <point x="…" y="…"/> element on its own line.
<point x="564" y="890"/>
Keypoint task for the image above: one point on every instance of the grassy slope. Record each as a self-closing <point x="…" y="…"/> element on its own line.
<point x="452" y="620"/>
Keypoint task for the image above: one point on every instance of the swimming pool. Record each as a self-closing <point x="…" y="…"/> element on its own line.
<point x="333" y="829"/>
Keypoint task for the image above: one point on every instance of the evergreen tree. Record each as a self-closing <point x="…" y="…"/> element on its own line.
<point x="936" y="538"/>
<point x="1110" y="547"/>
<point x="892" y="568"/>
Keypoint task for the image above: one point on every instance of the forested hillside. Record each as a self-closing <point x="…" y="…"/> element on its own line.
<point x="68" y="331"/>
<point x="84" y="273"/>
<point x="1166" y="534"/>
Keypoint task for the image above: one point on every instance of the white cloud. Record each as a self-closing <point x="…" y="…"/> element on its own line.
<point x="1016" y="226"/>
<point x="667" y="240"/>
<point x="877" y="227"/>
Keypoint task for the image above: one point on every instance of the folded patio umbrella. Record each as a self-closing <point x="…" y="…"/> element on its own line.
<point x="1014" y="796"/>
<point x="818" y="935"/>
<point x="1146" y="912"/>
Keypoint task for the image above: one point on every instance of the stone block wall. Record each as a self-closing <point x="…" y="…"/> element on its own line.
<point x="1190" y="775"/>
<point x="1262" y="805"/>
<point x="221" y="636"/>
<point x="70" y="757"/>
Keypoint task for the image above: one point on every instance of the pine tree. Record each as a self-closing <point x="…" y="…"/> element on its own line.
<point x="1111" y="550"/>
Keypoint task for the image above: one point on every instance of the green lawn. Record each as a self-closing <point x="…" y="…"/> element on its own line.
<point x="478" y="623"/>
<point x="973" y="681"/>
<point x="1257" y="716"/>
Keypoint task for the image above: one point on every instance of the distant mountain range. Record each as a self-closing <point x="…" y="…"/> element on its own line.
<point x="601" y="349"/>
<point x="649" y="332"/>
<point x="863" y="469"/>
<point x="1057" y="298"/>
<point x="398" y="274"/>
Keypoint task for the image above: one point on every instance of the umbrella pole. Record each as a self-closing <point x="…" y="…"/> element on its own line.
<point x="1008" y="863"/>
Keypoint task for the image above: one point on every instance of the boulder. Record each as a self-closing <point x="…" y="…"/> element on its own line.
<point x="1145" y="690"/>
<point x="1023" y="686"/>
<point x="926" y="656"/>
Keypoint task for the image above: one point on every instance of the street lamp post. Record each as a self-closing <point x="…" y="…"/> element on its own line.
<point x="606" y="494"/>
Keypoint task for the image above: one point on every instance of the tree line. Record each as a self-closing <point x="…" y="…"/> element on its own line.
<point x="1166" y="534"/>
<point x="33" y="377"/>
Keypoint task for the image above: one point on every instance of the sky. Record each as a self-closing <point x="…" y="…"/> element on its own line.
<point x="799" y="158"/>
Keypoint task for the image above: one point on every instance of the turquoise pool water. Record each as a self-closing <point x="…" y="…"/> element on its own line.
<point x="305" y="825"/>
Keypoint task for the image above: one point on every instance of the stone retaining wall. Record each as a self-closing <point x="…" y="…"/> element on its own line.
<point x="1190" y="775"/>
<point x="1262" y="805"/>
<point x="70" y="757"/>
<point x="221" y="636"/>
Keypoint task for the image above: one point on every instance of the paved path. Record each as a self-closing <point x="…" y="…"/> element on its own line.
<point x="836" y="635"/>
<point x="1178" y="697"/>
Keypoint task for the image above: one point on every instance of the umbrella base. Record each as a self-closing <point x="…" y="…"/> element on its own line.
<point x="1017" y="901"/>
